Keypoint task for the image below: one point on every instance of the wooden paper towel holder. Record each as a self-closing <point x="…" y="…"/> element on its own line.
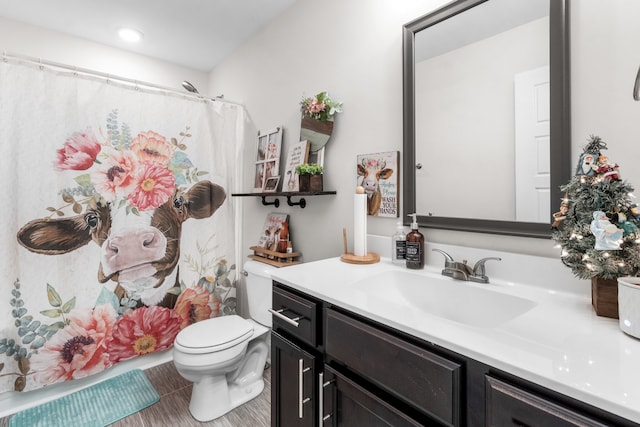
<point x="349" y="257"/>
<point x="369" y="258"/>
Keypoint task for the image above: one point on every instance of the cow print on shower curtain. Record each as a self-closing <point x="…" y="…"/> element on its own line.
<point x="132" y="240"/>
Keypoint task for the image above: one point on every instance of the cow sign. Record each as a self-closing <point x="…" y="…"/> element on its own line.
<point x="376" y="176"/>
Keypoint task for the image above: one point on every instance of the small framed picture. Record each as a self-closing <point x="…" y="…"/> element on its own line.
<point x="267" y="163"/>
<point x="271" y="184"/>
<point x="298" y="154"/>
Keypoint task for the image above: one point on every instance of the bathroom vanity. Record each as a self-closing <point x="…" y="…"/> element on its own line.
<point x="378" y="345"/>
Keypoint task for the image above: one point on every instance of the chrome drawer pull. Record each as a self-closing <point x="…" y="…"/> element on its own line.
<point x="322" y="385"/>
<point x="279" y="315"/>
<point x="301" y="399"/>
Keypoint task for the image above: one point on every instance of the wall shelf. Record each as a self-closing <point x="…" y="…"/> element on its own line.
<point x="276" y="202"/>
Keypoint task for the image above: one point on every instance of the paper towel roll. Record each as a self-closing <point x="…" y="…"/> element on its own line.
<point x="360" y="224"/>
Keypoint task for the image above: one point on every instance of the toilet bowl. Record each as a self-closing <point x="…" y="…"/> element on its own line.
<point x="225" y="356"/>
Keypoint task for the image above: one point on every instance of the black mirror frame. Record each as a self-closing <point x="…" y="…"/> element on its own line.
<point x="560" y="111"/>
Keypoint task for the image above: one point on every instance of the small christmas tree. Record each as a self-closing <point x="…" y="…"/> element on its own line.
<point x="597" y="225"/>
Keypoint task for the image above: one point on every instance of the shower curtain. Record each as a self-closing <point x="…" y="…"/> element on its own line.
<point x="117" y="229"/>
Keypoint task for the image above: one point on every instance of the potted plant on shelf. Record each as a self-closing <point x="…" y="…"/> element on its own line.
<point x="310" y="177"/>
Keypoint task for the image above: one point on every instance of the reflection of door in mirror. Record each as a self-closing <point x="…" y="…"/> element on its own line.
<point x="465" y="113"/>
<point x="532" y="149"/>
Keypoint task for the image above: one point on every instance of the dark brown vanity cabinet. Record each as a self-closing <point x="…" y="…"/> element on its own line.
<point x="331" y="367"/>
<point x="295" y="359"/>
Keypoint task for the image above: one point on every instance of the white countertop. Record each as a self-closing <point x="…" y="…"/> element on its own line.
<point x="560" y="343"/>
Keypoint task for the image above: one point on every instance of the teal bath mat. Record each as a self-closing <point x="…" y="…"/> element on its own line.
<point x="98" y="405"/>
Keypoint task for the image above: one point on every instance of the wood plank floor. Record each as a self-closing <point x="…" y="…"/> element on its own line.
<point x="173" y="407"/>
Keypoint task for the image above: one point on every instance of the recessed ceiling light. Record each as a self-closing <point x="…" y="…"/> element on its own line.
<point x="130" y="35"/>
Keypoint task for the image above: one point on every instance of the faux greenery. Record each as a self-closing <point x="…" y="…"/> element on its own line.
<point x="586" y="194"/>
<point x="320" y="107"/>
<point x="309" y="169"/>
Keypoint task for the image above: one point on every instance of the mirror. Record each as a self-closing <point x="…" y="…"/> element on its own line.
<point x="464" y="99"/>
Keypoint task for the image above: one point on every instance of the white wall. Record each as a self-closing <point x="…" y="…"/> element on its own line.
<point x="353" y="50"/>
<point x="20" y="39"/>
<point x="605" y="59"/>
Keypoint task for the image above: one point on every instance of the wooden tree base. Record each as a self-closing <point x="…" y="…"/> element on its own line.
<point x="604" y="297"/>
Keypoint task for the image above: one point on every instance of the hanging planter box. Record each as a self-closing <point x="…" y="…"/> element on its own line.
<point x="310" y="183"/>
<point x="317" y="132"/>
<point x="604" y="296"/>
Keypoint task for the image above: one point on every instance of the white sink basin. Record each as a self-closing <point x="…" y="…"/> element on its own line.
<point x="450" y="299"/>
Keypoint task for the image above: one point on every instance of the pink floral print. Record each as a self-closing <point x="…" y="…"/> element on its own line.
<point x="144" y="330"/>
<point x="79" y="151"/>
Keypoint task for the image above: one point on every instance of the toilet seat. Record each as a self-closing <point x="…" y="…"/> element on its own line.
<point x="212" y="335"/>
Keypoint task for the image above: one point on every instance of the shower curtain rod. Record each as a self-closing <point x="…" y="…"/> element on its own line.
<point x="136" y="83"/>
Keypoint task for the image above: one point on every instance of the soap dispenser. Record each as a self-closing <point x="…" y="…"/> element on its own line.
<point x="415" y="246"/>
<point x="399" y="245"/>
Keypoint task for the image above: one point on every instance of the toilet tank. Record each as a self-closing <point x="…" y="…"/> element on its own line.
<point x="258" y="290"/>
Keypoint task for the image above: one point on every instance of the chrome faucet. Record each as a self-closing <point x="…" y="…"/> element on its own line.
<point x="462" y="271"/>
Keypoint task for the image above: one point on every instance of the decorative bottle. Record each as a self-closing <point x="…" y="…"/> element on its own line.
<point x="283" y="235"/>
<point x="399" y="245"/>
<point x="415" y="246"/>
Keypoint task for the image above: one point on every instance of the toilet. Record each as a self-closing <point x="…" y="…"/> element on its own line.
<point x="225" y="356"/>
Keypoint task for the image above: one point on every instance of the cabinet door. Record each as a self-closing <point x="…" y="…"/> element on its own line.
<point x="348" y="404"/>
<point x="293" y="384"/>
<point x="511" y="406"/>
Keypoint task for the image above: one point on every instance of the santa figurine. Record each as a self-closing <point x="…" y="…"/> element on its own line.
<point x="606" y="169"/>
<point x="587" y="165"/>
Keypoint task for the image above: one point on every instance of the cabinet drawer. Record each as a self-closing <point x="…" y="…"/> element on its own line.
<point x="296" y="315"/>
<point x="426" y="381"/>
<point x="508" y="405"/>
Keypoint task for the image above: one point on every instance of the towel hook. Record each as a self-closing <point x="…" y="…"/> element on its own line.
<point x="636" y="87"/>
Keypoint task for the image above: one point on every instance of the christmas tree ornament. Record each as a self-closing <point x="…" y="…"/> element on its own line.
<point x="607" y="169"/>
<point x="559" y="216"/>
<point x="608" y="236"/>
<point x="597" y="226"/>
<point x="628" y="227"/>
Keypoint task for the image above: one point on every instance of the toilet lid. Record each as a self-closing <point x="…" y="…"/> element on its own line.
<point x="215" y="334"/>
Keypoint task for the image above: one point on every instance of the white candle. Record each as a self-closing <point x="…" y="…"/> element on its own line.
<point x="360" y="223"/>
